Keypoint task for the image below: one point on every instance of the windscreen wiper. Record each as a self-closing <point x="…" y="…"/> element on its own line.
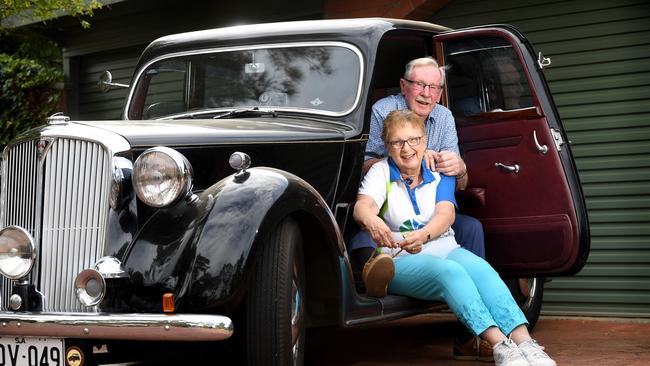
<point x="247" y="112"/>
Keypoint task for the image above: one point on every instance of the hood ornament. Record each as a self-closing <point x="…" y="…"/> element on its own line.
<point x="58" y="118"/>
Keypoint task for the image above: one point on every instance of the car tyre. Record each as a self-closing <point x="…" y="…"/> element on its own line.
<point x="528" y="293"/>
<point x="275" y="329"/>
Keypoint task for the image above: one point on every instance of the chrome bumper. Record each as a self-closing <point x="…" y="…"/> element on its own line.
<point x="143" y="327"/>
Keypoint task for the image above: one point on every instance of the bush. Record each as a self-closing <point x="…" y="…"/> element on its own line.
<point x="30" y="67"/>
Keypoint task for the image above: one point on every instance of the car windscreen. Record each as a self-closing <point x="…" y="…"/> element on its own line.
<point x="313" y="78"/>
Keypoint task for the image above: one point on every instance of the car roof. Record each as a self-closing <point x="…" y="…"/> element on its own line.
<point x="362" y="29"/>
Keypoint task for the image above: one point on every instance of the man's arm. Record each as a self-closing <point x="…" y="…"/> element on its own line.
<point x="367" y="164"/>
<point x="375" y="147"/>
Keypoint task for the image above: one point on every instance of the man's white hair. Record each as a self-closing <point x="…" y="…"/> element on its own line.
<point x="425" y="61"/>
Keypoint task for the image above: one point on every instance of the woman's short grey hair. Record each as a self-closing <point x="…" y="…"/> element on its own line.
<point x="425" y="61"/>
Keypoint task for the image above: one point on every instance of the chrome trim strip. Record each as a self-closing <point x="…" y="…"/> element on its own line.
<point x="141" y="327"/>
<point x="349" y="46"/>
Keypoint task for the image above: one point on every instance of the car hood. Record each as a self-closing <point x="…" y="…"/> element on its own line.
<point x="210" y="131"/>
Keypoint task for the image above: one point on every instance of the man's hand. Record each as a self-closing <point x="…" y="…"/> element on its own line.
<point x="430" y="159"/>
<point x="449" y="163"/>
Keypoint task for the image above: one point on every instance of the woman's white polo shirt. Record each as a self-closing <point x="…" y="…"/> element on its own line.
<point x="405" y="209"/>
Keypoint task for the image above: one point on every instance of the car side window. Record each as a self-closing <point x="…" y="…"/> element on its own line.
<point x="395" y="50"/>
<point x="485" y="75"/>
<point x="166" y="89"/>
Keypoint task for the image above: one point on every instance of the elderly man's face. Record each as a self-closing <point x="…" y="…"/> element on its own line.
<point x="422" y="100"/>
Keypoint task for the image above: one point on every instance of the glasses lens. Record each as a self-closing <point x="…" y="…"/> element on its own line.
<point x="414" y="141"/>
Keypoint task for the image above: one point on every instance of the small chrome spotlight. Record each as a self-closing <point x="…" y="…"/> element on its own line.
<point x="15" y="302"/>
<point x="90" y="287"/>
<point x="239" y="161"/>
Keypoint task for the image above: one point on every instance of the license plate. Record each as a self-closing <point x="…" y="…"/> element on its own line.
<point x="31" y="351"/>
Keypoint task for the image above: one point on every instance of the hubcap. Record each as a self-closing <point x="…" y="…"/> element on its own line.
<point x="528" y="288"/>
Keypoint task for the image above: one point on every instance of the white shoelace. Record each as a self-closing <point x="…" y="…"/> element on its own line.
<point x="513" y="353"/>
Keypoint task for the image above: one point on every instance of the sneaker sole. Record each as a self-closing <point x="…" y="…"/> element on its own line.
<point x="378" y="277"/>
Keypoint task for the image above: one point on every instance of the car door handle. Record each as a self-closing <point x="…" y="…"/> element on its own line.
<point x="510" y="168"/>
<point x="541" y="148"/>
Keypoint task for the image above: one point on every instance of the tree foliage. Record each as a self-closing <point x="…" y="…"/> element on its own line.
<point x="22" y="10"/>
<point x="30" y="68"/>
<point x="30" y="64"/>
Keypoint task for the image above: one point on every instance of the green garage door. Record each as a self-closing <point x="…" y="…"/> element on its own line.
<point x="600" y="78"/>
<point x="95" y="104"/>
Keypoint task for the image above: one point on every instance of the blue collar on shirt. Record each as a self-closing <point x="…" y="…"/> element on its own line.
<point x="427" y="175"/>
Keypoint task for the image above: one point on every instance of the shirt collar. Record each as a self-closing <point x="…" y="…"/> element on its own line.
<point x="395" y="176"/>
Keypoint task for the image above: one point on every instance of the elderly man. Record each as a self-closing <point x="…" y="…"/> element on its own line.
<point x="421" y="88"/>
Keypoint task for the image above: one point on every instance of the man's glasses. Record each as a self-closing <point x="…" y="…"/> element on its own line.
<point x="419" y="86"/>
<point x="412" y="141"/>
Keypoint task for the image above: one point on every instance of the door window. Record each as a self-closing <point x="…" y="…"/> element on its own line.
<point x="485" y="75"/>
<point x="166" y="89"/>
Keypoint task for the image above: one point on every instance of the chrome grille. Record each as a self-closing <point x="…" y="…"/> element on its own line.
<point x="63" y="201"/>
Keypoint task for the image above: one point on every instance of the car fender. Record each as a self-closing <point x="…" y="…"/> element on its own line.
<point x="246" y="210"/>
<point x="199" y="249"/>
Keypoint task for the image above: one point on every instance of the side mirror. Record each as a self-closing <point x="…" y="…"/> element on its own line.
<point x="106" y="82"/>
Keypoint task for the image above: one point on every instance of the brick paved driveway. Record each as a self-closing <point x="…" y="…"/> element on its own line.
<point x="426" y="340"/>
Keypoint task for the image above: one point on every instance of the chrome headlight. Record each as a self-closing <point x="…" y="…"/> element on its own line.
<point x="17" y="252"/>
<point x="161" y="176"/>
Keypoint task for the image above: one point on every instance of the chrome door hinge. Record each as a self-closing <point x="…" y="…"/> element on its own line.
<point x="543" y="61"/>
<point x="557" y="138"/>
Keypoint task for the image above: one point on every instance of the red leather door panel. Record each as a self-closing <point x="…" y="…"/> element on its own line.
<point x="528" y="216"/>
<point x="527" y="196"/>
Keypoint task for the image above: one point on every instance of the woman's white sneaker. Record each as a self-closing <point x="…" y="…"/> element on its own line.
<point x="506" y="353"/>
<point x="535" y="354"/>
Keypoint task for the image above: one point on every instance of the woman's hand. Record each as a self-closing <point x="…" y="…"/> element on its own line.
<point x="365" y="213"/>
<point x="380" y="232"/>
<point x="414" y="240"/>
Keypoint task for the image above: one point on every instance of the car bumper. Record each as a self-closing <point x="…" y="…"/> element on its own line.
<point x="144" y="327"/>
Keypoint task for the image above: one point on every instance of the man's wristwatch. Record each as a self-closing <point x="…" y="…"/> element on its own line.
<point x="460" y="176"/>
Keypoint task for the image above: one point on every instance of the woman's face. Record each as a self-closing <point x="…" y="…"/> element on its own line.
<point x="403" y="147"/>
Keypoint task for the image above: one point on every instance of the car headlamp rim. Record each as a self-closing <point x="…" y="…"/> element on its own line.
<point x="180" y="179"/>
<point x="26" y="250"/>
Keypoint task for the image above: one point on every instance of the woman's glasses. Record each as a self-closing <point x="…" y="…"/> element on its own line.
<point x="412" y="141"/>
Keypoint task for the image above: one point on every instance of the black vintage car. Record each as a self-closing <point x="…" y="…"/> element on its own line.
<point x="222" y="201"/>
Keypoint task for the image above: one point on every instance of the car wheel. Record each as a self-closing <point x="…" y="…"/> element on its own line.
<point x="275" y="329"/>
<point x="528" y="293"/>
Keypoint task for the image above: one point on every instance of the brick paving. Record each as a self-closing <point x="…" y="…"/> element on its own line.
<point x="427" y="340"/>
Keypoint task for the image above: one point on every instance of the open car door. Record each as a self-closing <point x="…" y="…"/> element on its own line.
<point x="523" y="183"/>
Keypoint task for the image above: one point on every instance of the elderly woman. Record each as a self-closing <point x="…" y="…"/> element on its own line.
<point x="408" y="210"/>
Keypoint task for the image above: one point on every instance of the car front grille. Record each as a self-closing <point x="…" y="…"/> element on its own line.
<point x="57" y="189"/>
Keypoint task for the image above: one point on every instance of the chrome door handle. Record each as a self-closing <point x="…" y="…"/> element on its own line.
<point x="541" y="148"/>
<point x="510" y="168"/>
